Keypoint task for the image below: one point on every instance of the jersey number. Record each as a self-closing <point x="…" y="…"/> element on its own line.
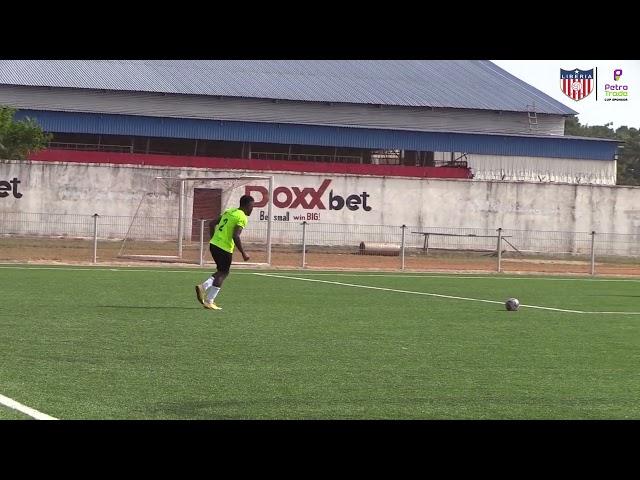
<point x="224" y="222"/>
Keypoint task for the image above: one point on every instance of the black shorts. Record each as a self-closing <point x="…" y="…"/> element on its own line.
<point x="221" y="257"/>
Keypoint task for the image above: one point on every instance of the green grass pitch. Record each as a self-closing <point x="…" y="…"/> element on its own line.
<point x="126" y="343"/>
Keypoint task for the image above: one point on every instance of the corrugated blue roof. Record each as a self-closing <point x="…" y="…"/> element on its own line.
<point x="525" y="145"/>
<point x="469" y="84"/>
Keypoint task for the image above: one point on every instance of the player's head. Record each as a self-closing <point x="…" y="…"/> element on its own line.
<point x="246" y="204"/>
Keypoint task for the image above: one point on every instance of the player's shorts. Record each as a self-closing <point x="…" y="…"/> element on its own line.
<point x="221" y="257"/>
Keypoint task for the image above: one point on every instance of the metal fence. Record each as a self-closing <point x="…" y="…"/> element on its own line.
<point x="41" y="236"/>
<point x="305" y="157"/>
<point x="91" y="147"/>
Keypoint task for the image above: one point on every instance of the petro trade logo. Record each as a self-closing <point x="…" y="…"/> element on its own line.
<point x="576" y="84"/>
<point x="616" y="92"/>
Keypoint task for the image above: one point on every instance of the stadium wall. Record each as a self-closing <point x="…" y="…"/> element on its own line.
<point x="75" y="188"/>
<point x="541" y="169"/>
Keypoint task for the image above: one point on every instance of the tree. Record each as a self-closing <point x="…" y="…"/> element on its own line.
<point x="629" y="153"/>
<point x="629" y="158"/>
<point x="20" y="138"/>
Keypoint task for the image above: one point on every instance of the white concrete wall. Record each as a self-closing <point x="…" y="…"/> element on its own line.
<point x="85" y="189"/>
<point x="541" y="169"/>
<point x="536" y="169"/>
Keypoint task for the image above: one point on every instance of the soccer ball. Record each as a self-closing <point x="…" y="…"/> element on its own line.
<point x="512" y="304"/>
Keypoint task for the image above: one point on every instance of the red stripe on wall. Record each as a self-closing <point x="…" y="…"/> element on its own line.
<point x="243" y="164"/>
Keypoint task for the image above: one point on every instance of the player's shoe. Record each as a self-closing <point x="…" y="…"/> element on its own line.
<point x="200" y="294"/>
<point x="212" y="306"/>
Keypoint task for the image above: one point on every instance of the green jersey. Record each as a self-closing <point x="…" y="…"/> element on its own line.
<point x="223" y="236"/>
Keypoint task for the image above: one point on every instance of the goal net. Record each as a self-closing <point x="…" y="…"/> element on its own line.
<point x="172" y="219"/>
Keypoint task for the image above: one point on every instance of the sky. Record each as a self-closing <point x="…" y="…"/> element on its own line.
<point x="545" y="76"/>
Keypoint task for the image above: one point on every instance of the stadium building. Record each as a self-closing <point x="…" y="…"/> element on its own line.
<point x="438" y="119"/>
<point x="451" y="144"/>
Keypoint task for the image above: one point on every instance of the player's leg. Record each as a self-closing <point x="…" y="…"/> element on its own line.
<point x="219" y="278"/>
<point x="223" y="262"/>
<point x="201" y="289"/>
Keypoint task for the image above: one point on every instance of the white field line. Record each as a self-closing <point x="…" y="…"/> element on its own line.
<point x="390" y="275"/>
<point x="24" y="409"/>
<point x="462" y="275"/>
<point x="436" y="294"/>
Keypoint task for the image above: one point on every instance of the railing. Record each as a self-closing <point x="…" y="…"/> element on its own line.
<point x="449" y="163"/>
<point x="305" y="157"/>
<point x="91" y="147"/>
<point x="63" y="237"/>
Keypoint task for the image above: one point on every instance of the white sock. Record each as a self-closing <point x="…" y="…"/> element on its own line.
<point x="207" y="283"/>
<point x="212" y="293"/>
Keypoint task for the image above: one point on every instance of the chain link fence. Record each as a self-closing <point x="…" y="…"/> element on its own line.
<point x="30" y="237"/>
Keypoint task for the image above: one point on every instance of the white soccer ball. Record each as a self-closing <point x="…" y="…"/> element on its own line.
<point x="512" y="304"/>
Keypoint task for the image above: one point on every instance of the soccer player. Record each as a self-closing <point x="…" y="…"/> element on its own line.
<point x="225" y="236"/>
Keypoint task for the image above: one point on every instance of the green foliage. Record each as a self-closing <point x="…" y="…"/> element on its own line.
<point x="629" y="157"/>
<point x="18" y="139"/>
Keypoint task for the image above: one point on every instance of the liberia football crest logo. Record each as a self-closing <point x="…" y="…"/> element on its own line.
<point x="576" y="84"/>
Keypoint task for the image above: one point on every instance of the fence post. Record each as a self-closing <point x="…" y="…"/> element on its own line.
<point x="304" y="244"/>
<point x="402" y="247"/>
<point x="269" y="217"/>
<point x="499" y="249"/>
<point x="202" y="220"/>
<point x="593" y="253"/>
<point x="180" y="218"/>
<point x="95" y="237"/>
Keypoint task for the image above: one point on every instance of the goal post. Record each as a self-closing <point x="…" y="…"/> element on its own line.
<point x="197" y="199"/>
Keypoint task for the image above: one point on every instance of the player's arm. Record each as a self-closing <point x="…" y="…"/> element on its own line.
<point x="236" y="238"/>
<point x="213" y="224"/>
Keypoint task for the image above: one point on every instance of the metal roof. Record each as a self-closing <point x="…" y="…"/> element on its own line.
<point x="523" y="145"/>
<point x="468" y="84"/>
